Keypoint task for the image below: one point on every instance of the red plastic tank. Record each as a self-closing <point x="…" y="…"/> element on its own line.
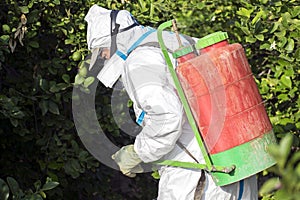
<point x="222" y="94"/>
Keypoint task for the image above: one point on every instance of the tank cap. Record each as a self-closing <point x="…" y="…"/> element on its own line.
<point x="211" y="39"/>
<point x="182" y="51"/>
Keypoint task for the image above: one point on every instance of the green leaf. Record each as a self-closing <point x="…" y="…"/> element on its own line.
<point x="62" y="86"/>
<point x="14" y="122"/>
<point x="4" y="190"/>
<point x="290" y="45"/>
<point x="44" y="84"/>
<point x="50" y="185"/>
<point x="55" y="165"/>
<point x="44" y="105"/>
<point x="37" y="185"/>
<point x="34" y="44"/>
<point x="286" y="57"/>
<point x="31" y="35"/>
<point x="286" y="81"/>
<point x="155" y="174"/>
<point x="283" y="63"/>
<point x="33" y="16"/>
<point x="282" y="42"/>
<point x="69" y="41"/>
<point x="72" y="167"/>
<point x="280" y="34"/>
<point x="295" y="159"/>
<point x="260" y="37"/>
<point x="54" y="89"/>
<point x="295" y="11"/>
<point x="82" y="71"/>
<point x="88" y="81"/>
<point x="297" y="54"/>
<point x="24" y="9"/>
<point x="200" y="5"/>
<point x="75" y="165"/>
<point x="66" y="78"/>
<point x="269" y="186"/>
<point x="258" y="27"/>
<point x="64" y="31"/>
<point x="265" y="46"/>
<point x="53" y="108"/>
<point x="283" y="97"/>
<point x="263" y="1"/>
<point x="282" y="194"/>
<point x="83" y="156"/>
<point x="52" y="70"/>
<point x="245" y="30"/>
<point x="244" y="12"/>
<point x="289" y="71"/>
<point x="13" y="185"/>
<point x="286" y="18"/>
<point x="81" y="26"/>
<point x="78" y="79"/>
<point x="5" y="28"/>
<point x="57" y="2"/>
<point x="129" y="103"/>
<point x="274" y="27"/>
<point x="285" y="146"/>
<point x="257" y="17"/>
<point x="36" y="197"/>
<point x="280" y="152"/>
<point x="5" y="38"/>
<point x="250" y="39"/>
<point x="43" y="194"/>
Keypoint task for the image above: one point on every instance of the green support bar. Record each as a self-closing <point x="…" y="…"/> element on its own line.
<point x="191" y="165"/>
<point x="182" y="95"/>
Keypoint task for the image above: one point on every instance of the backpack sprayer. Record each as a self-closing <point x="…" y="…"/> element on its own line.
<point x="223" y="106"/>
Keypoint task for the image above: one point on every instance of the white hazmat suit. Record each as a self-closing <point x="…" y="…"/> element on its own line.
<point x="158" y="109"/>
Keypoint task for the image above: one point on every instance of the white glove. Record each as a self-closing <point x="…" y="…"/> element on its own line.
<point x="128" y="161"/>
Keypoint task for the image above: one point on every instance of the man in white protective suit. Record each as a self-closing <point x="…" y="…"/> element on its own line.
<point x="131" y="52"/>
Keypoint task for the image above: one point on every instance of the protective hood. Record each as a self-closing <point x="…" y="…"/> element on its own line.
<point x="99" y="36"/>
<point x="98" y="29"/>
<point x="99" y="25"/>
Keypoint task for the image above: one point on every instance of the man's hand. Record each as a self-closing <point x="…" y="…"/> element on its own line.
<point x="128" y="161"/>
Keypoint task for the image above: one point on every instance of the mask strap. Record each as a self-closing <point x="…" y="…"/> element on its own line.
<point x="131" y="26"/>
<point x="114" y="29"/>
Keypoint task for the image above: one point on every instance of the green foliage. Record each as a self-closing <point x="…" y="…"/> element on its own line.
<point x="42" y="53"/>
<point x="287" y="186"/>
<point x="42" y="46"/>
<point x="272" y="30"/>
<point x="12" y="188"/>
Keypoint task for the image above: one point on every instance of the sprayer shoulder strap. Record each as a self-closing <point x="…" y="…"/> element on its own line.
<point x="156" y="44"/>
<point x="189" y="39"/>
<point x="136" y="44"/>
